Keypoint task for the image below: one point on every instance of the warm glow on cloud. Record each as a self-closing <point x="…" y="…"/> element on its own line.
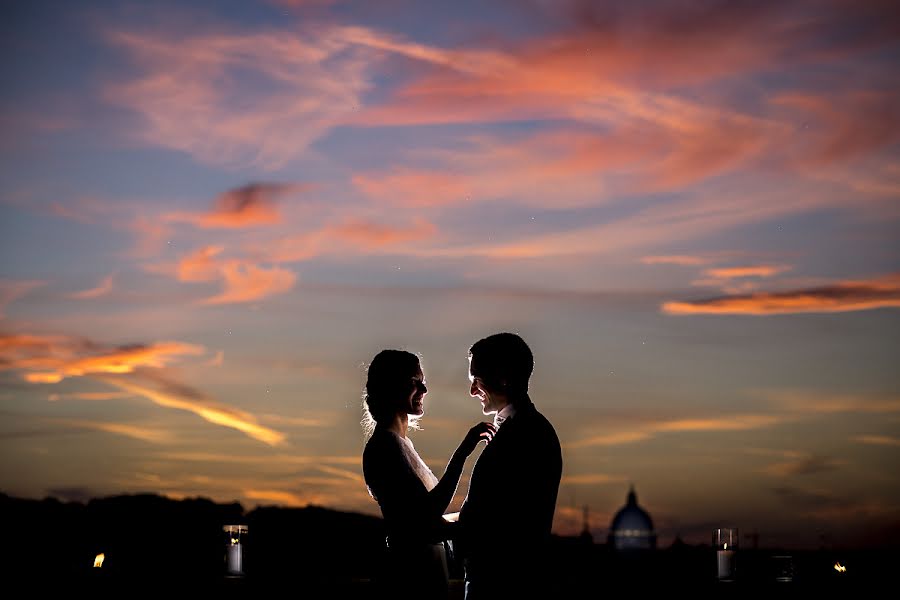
<point x="242" y="280"/>
<point x="89" y="396"/>
<point x="729" y="423"/>
<point x="207" y="409"/>
<point x="809" y="402"/>
<point x="877" y="440"/>
<point x="751" y="271"/>
<point x="104" y="288"/>
<point x="592" y="479"/>
<point x="253" y="205"/>
<point x="246" y="282"/>
<point x="49" y="359"/>
<point x="612" y="439"/>
<point x="201" y="265"/>
<point x="145" y="434"/>
<point x="882" y="292"/>
<point x="286" y="498"/>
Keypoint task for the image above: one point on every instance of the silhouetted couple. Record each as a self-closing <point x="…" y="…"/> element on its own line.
<point x="503" y="529"/>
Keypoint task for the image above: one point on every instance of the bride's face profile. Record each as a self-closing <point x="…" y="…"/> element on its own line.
<point x="414" y="403"/>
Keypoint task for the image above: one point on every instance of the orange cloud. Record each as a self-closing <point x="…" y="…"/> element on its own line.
<point x="242" y="280"/>
<point x="50" y="359"/>
<point x="176" y="396"/>
<point x="246" y="282"/>
<point x="250" y="206"/>
<point x="882" y="292"/>
<point x="104" y="288"/>
<point x="89" y="396"/>
<point x="749" y="271"/>
<point x="200" y="265"/>
<point x="286" y="498"/>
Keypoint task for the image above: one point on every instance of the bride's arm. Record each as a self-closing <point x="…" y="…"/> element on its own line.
<point x="439" y="498"/>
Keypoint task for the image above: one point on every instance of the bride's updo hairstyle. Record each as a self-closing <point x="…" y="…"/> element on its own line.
<point x="388" y="383"/>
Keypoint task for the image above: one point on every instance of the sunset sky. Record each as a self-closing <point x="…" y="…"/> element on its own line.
<point x="214" y="214"/>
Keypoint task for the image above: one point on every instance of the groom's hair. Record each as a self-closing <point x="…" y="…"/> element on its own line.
<point x="503" y="358"/>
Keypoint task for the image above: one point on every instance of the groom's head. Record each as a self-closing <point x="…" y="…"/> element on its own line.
<point x="503" y="362"/>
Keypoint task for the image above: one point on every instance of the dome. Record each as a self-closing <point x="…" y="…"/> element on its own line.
<point x="632" y="527"/>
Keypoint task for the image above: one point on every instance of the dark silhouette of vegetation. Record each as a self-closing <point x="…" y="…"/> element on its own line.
<point x="152" y="541"/>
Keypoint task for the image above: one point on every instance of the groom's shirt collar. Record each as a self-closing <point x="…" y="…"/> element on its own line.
<point x="506" y="412"/>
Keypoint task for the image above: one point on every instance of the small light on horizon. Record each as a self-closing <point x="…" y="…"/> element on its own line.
<point x="98" y="560"/>
<point x="840" y="568"/>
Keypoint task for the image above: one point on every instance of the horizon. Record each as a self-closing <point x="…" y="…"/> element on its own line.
<point x="213" y="216"/>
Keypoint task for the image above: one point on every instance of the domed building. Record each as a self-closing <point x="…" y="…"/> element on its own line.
<point x="632" y="528"/>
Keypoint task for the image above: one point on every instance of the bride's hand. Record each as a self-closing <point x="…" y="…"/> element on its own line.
<point x="483" y="431"/>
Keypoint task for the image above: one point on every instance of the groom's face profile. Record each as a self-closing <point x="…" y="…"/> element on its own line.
<point x="490" y="401"/>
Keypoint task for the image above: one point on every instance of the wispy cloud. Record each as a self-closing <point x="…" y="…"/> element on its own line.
<point x="89" y="396"/>
<point x="136" y="370"/>
<point x="743" y="422"/>
<point x="146" y="434"/>
<point x="681" y="260"/>
<point x="813" y="402"/>
<point x="591" y="479"/>
<point x="804" y="464"/>
<point x="307" y="82"/>
<point x="880" y="292"/>
<point x="172" y="395"/>
<point x="876" y="440"/>
<point x="242" y="280"/>
<point x="12" y="290"/>
<point x="102" y="289"/>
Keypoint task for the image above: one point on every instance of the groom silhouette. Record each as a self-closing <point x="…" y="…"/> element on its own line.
<point x="504" y="523"/>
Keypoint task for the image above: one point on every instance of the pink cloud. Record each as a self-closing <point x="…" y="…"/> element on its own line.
<point x="246" y="282"/>
<point x="366" y="234"/>
<point x="11" y="290"/>
<point x="104" y="288"/>
<point x="252" y="205"/>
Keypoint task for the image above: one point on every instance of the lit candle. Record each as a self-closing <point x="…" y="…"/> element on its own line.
<point x="234" y="558"/>
<point x="725" y="560"/>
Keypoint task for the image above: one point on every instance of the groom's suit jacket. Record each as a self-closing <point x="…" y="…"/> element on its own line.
<point x="505" y="521"/>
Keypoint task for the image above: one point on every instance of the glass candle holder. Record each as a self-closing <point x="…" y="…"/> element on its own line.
<point x="235" y="538"/>
<point x="726" y="543"/>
